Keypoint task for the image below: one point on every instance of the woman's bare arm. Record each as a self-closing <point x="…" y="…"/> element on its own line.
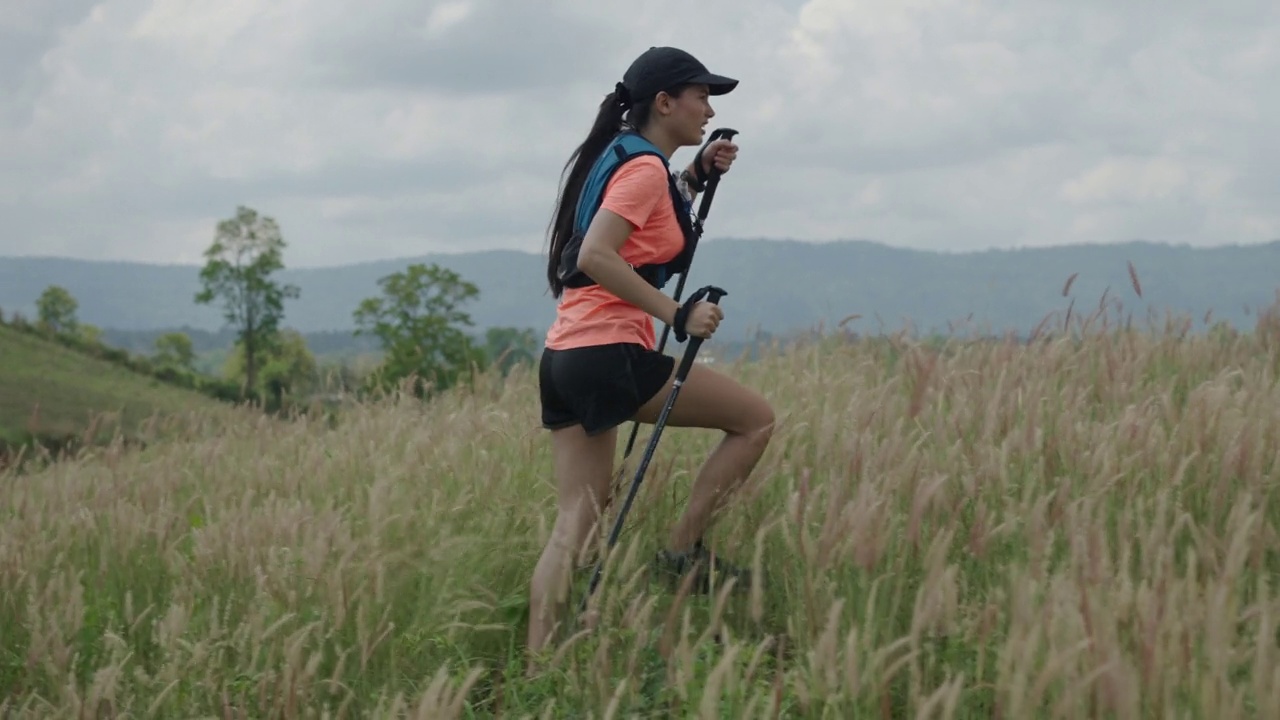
<point x="600" y="260"/>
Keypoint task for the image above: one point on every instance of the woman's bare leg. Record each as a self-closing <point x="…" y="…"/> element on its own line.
<point x="709" y="399"/>
<point x="583" y="467"/>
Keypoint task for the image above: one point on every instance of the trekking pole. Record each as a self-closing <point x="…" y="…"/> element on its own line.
<point x="708" y="195"/>
<point x="713" y="295"/>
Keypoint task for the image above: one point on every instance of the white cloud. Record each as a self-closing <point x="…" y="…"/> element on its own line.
<point x="1131" y="179"/>
<point x="444" y="16"/>
<point x="127" y="127"/>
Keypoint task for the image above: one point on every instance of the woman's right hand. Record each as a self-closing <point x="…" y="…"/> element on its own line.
<point x="703" y="319"/>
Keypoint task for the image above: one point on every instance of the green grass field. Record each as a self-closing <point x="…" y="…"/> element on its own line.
<point x="1067" y="529"/>
<point x="52" y="391"/>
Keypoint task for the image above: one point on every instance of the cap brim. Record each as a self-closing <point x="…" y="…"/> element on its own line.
<point x="717" y="84"/>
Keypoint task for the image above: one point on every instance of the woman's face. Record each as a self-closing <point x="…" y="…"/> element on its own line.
<point x="686" y="116"/>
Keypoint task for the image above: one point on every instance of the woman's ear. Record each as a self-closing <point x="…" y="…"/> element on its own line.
<point x="663" y="103"/>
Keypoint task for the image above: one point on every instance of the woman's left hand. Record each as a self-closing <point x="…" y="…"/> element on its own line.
<point x="722" y="153"/>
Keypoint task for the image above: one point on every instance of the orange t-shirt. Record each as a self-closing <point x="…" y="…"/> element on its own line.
<point x="591" y="315"/>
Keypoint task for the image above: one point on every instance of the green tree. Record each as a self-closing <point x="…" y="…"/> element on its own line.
<point x="56" y="309"/>
<point x="175" y="349"/>
<point x="246" y="250"/>
<point x="286" y="366"/>
<point x="89" y="334"/>
<point x="508" y="347"/>
<point x="419" y="325"/>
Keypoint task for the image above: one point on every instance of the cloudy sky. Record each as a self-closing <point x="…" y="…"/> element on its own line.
<point x="128" y="128"/>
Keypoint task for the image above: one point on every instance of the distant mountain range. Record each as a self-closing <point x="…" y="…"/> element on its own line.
<point x="778" y="286"/>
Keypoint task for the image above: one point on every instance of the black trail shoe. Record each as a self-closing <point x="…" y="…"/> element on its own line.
<point x="705" y="564"/>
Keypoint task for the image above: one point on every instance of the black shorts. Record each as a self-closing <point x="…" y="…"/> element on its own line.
<point x="601" y="386"/>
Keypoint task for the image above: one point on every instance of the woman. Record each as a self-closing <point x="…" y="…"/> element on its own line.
<point x="600" y="367"/>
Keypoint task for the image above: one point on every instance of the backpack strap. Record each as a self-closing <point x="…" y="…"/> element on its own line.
<point x="626" y="146"/>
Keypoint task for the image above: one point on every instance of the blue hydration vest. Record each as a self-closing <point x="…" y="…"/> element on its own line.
<point x="626" y="146"/>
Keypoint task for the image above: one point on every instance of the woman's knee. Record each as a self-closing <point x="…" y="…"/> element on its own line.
<point x="583" y="467"/>
<point x="710" y="399"/>
<point x="758" y="424"/>
<point x="576" y="532"/>
<point x="745" y="411"/>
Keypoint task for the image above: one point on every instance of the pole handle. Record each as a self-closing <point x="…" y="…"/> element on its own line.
<point x="723" y="133"/>
<point x="714" y="294"/>
<point x="713" y="177"/>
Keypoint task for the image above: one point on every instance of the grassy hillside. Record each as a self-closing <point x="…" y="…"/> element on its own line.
<point x="53" y="392"/>
<point x="1074" y="527"/>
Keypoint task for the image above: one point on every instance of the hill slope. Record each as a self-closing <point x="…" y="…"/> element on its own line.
<point x="1053" y="525"/>
<point x="53" y="392"/>
<point x="774" y="285"/>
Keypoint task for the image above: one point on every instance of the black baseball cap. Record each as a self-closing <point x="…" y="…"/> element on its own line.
<point x="660" y="68"/>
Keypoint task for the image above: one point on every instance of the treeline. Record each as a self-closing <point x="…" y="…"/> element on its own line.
<point x="86" y="339"/>
<point x="332" y="343"/>
<point x="416" y="330"/>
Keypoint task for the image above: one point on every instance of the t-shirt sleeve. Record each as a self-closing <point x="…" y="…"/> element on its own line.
<point x="636" y="189"/>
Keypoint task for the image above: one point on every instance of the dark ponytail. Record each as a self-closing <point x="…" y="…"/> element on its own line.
<point x="609" y="120"/>
<point x="616" y="112"/>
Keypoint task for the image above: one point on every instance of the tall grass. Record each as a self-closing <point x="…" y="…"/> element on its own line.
<point x="1080" y="526"/>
